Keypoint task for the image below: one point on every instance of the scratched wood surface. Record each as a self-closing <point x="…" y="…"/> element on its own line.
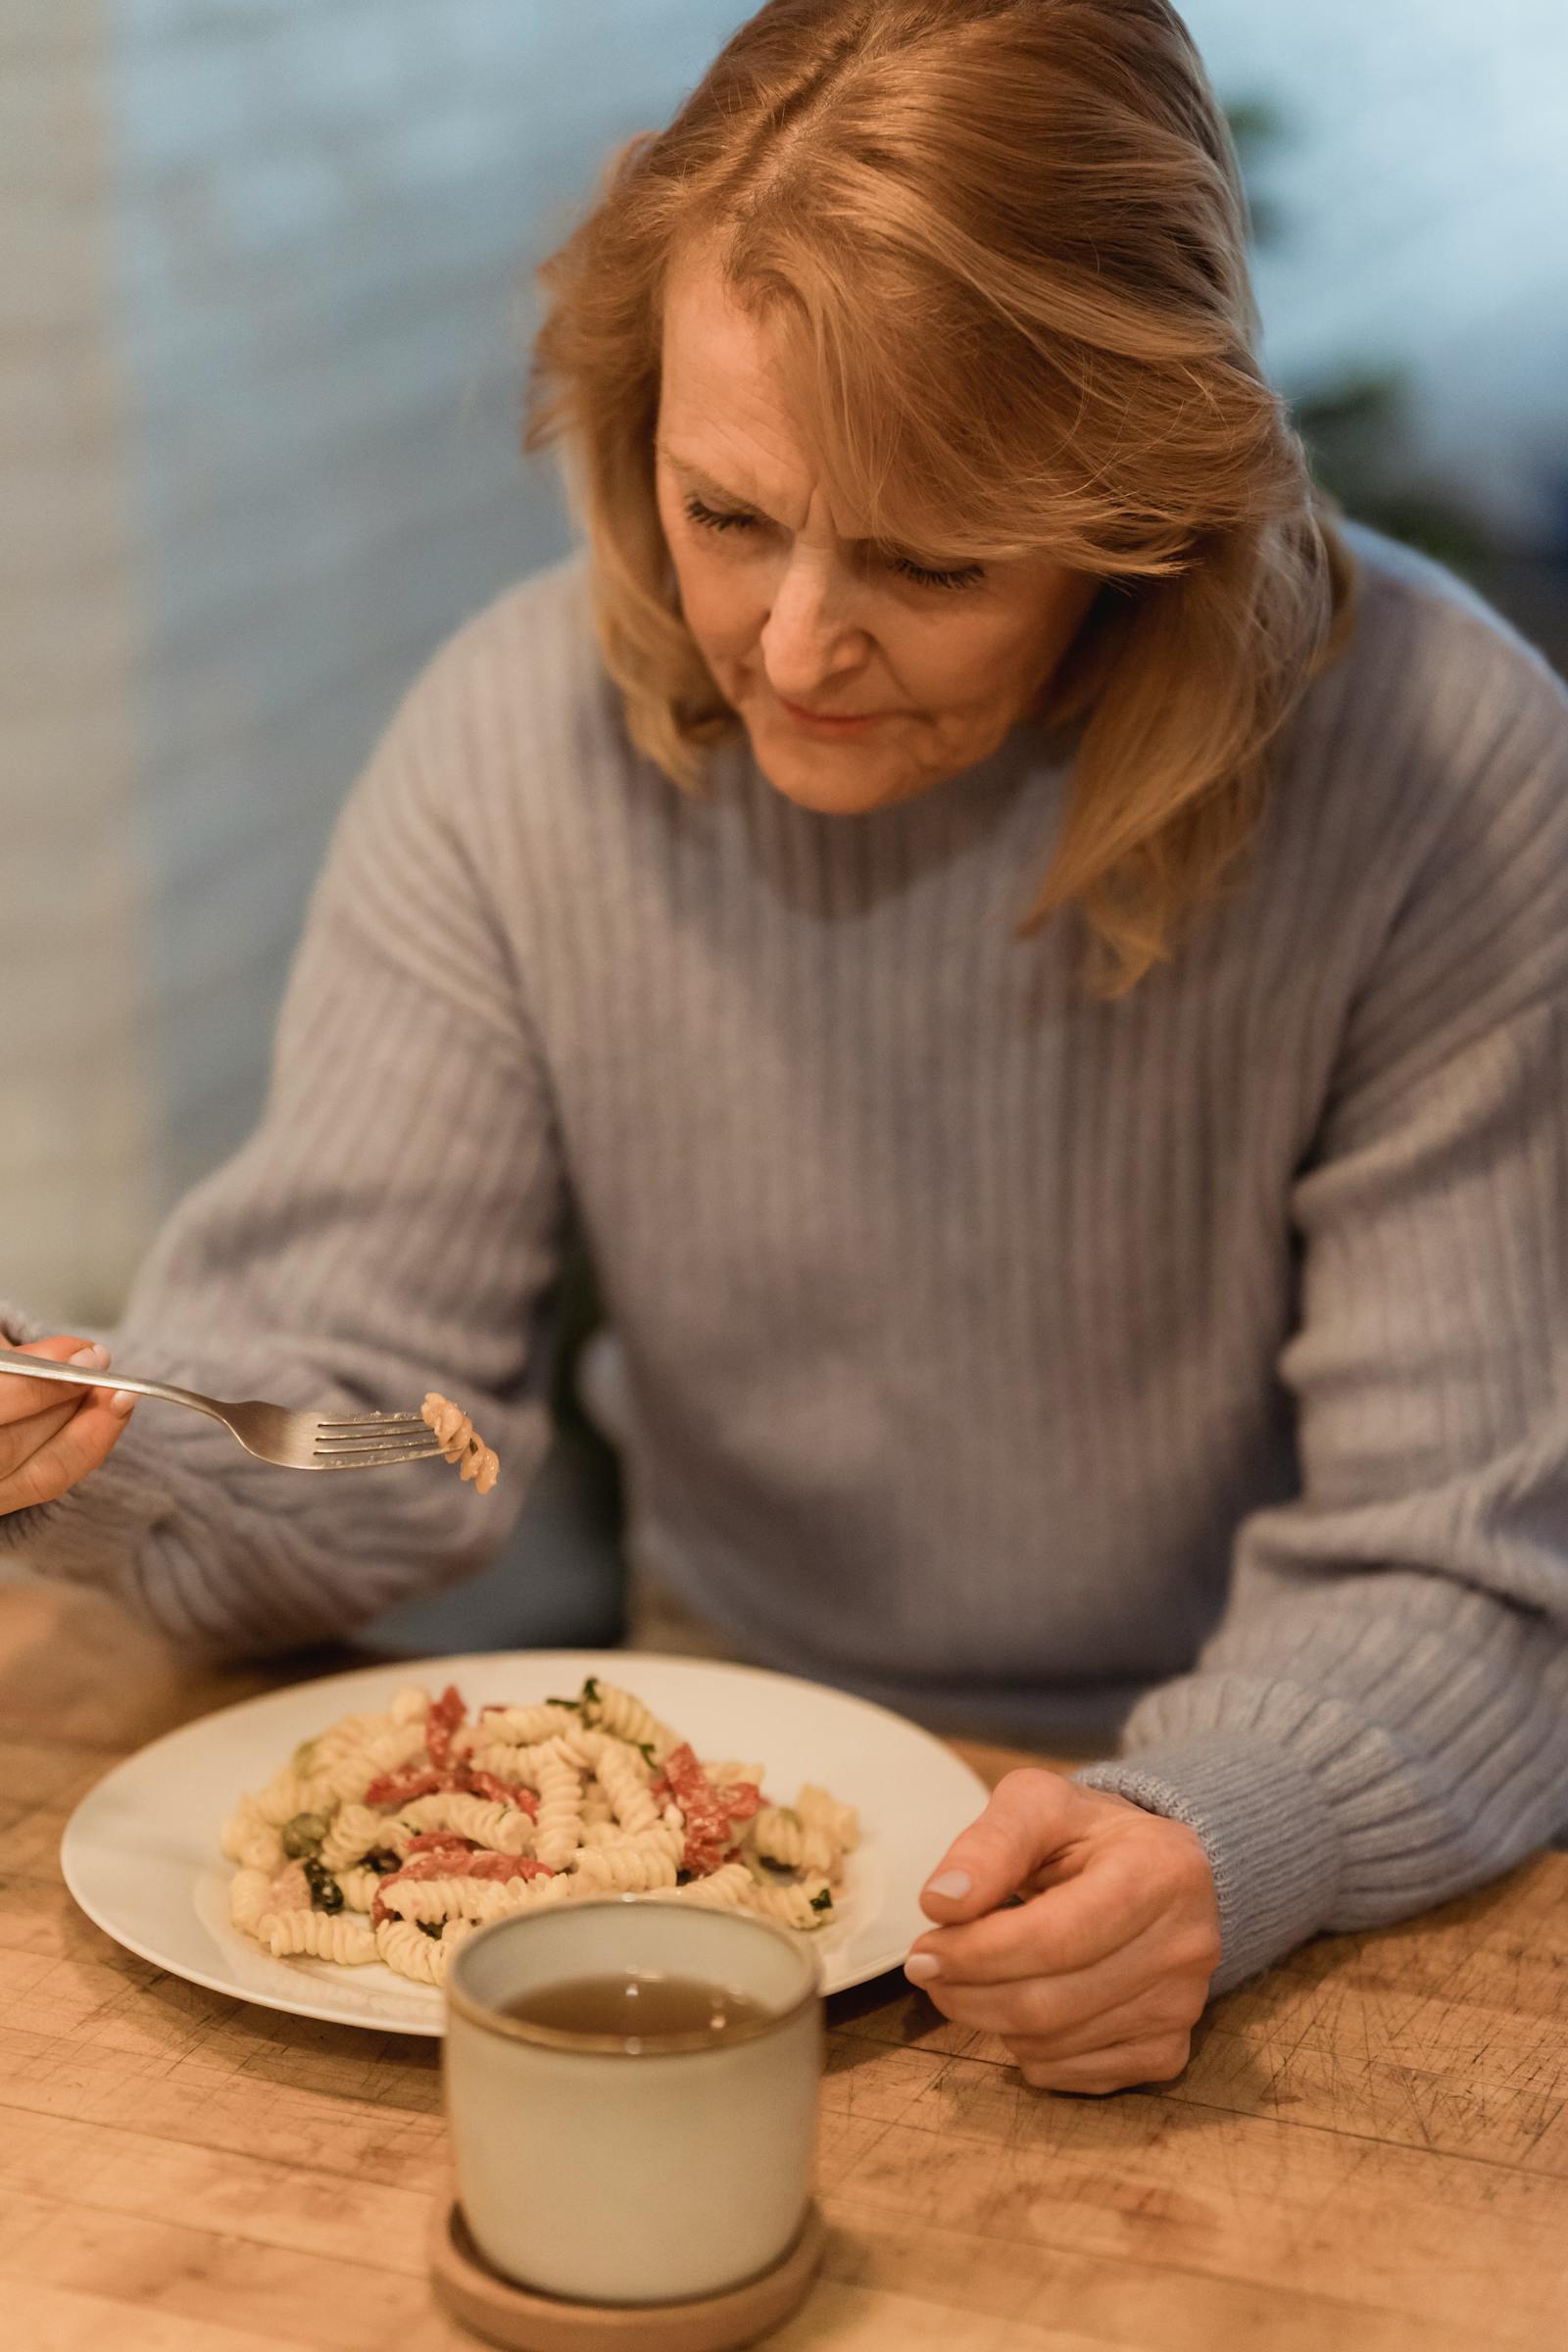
<point x="1369" y="2152"/>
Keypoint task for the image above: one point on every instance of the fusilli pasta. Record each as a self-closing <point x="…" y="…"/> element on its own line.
<point x="413" y="1954"/>
<point x="359" y="1888"/>
<point x="607" y="1708"/>
<point x="634" y="1867"/>
<point x="252" y="1842"/>
<point x="727" y="1889"/>
<point x="248" y="1896"/>
<point x="358" y="1831"/>
<point x="630" y="1798"/>
<point x="460" y="1442"/>
<point x="794" y="1906"/>
<point x="392" y="1836"/>
<point x="841" y="1822"/>
<point x="526" y="1727"/>
<point x="477" y="1899"/>
<point x="559" y="1822"/>
<point x="349" y="1776"/>
<point x="780" y="1834"/>
<point x="500" y="1829"/>
<point x="317" y="1936"/>
<point x="291" y="1793"/>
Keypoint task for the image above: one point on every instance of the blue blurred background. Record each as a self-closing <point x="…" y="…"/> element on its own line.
<point x="264" y="292"/>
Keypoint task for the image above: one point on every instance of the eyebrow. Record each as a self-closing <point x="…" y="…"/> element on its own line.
<point x="706" y="483"/>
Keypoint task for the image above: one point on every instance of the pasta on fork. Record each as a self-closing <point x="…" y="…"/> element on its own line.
<point x="460" y="1442"/>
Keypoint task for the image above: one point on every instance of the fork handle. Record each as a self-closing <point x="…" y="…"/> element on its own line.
<point x="39" y="1367"/>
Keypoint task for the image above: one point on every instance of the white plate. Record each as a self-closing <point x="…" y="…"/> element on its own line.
<point x="140" y="1853"/>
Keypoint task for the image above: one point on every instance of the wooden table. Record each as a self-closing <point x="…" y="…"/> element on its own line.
<point x="1369" y="2151"/>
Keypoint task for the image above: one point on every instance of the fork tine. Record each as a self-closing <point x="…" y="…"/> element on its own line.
<point x="372" y="1423"/>
<point x="346" y="1441"/>
<point x="325" y="1442"/>
<point x="379" y="1460"/>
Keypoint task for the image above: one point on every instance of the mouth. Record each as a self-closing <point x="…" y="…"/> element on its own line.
<point x="822" y="723"/>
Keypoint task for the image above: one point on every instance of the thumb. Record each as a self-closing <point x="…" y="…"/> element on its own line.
<point x="1031" y="1816"/>
<point x="19" y="1398"/>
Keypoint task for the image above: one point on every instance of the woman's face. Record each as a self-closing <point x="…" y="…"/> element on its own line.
<point x="864" y="674"/>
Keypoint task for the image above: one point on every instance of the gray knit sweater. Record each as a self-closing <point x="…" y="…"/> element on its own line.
<point x="1199" y="1360"/>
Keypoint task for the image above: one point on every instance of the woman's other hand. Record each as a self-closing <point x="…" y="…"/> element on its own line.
<point x="1096" y="1979"/>
<point x="50" y="1436"/>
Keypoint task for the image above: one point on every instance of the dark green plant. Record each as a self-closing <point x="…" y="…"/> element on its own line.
<point x="1357" y="424"/>
<point x="1256" y="126"/>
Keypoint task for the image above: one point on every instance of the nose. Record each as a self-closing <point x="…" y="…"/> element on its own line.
<point x="812" y="637"/>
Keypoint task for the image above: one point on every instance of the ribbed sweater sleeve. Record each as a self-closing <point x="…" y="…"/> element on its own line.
<point x="391" y="1227"/>
<point x="1381" y="1719"/>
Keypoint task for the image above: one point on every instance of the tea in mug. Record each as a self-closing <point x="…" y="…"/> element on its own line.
<point x="635" y="2008"/>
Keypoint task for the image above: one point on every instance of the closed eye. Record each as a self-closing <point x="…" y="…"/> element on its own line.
<point x="964" y="575"/>
<point x="737" y="519"/>
<point x="712" y="519"/>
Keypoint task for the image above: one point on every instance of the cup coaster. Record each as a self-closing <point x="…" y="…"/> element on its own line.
<point x="504" y="2313"/>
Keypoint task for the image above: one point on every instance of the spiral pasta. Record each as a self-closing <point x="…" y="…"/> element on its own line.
<point x="476" y="1899"/>
<point x="359" y="1888"/>
<point x="291" y="1793"/>
<point x="727" y="1889"/>
<point x="249" y="1898"/>
<point x="411" y="1952"/>
<point x="662" y="1836"/>
<point x="608" y="1708"/>
<point x="503" y="1763"/>
<point x="779" y="1833"/>
<point x="794" y="1906"/>
<point x="630" y="1798"/>
<point x="822" y="1811"/>
<point x="317" y="1936"/>
<point x="344" y="1738"/>
<point x="250" y="1840"/>
<point x="460" y="1442"/>
<point x="348" y="1777"/>
<point x="634" y="1867"/>
<point x="357" y="1831"/>
<point x="526" y="1727"/>
<point x="734" y="1889"/>
<point x="502" y="1829"/>
<point x="392" y="1836"/>
<point x="559" y="1822"/>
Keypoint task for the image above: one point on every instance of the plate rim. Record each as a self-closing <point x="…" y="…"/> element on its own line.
<point x="415" y="1669"/>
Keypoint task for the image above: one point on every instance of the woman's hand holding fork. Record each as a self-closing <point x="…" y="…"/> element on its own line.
<point x="52" y="1437"/>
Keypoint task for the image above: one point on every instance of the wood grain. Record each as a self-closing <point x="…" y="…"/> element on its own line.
<point x="1368" y="2153"/>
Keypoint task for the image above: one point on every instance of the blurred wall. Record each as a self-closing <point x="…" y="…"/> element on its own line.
<point x="78" y="1125"/>
<point x="264" y="299"/>
<point x="266" y="295"/>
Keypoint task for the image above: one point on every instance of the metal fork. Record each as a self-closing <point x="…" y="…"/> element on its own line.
<point x="294" y="1440"/>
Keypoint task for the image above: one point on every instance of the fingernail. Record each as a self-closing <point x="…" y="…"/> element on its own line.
<point x="121" y="1400"/>
<point x="922" y="1967"/>
<point x="952" y="1885"/>
<point x="94" y="1356"/>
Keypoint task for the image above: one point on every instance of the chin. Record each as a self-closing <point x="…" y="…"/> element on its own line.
<point x="834" y="779"/>
<point x="837" y="783"/>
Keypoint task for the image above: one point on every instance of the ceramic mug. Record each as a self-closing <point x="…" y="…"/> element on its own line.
<point x="608" y="2174"/>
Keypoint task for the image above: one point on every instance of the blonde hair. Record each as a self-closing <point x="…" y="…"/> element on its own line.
<point x="1005" y="243"/>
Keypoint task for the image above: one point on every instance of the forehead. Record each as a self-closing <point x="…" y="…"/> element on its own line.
<point x="721" y="390"/>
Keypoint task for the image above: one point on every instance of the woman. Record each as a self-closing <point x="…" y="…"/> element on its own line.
<point x="1041" y="964"/>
